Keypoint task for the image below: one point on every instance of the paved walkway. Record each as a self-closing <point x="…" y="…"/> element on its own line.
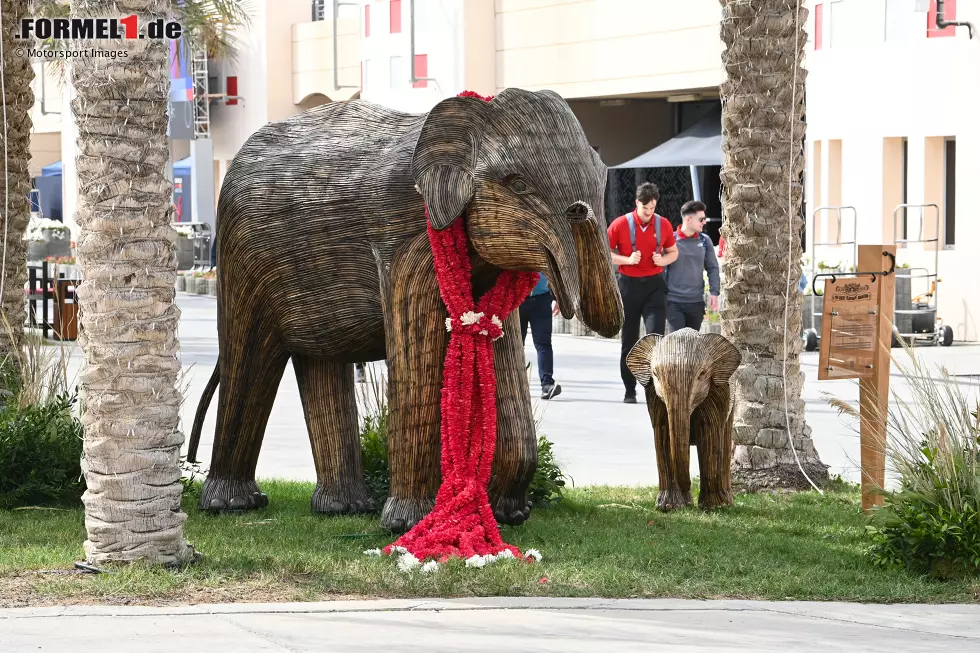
<point x="598" y="439"/>
<point x="497" y="624"/>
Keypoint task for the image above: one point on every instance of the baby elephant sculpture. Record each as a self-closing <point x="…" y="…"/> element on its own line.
<point x="686" y="376"/>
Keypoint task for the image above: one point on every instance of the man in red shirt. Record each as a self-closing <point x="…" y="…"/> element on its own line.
<point x="641" y="281"/>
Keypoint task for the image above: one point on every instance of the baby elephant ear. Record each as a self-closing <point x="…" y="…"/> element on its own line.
<point x="445" y="157"/>
<point x="724" y="356"/>
<point x="640" y="356"/>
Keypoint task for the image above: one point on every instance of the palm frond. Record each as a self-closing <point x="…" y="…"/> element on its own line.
<point x="215" y="25"/>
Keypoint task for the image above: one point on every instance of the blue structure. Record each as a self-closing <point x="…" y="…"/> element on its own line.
<point x="51" y="169"/>
<point x="182" y="191"/>
<point x="48" y="187"/>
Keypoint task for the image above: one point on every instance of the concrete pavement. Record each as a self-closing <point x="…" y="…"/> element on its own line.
<point x="487" y="624"/>
<point x="598" y="439"/>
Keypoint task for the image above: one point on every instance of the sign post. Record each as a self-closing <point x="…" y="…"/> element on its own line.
<point x="858" y="312"/>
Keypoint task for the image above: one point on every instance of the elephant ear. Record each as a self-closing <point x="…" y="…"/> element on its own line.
<point x="724" y="356"/>
<point x="445" y="157"/>
<point x="640" y="356"/>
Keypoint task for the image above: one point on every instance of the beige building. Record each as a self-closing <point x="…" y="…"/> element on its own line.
<point x="888" y="98"/>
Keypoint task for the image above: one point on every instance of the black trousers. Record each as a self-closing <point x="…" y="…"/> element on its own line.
<point x="685" y="314"/>
<point x="536" y="312"/>
<point x="646" y="298"/>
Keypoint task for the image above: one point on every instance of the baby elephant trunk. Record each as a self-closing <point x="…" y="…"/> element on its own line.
<point x="679" y="421"/>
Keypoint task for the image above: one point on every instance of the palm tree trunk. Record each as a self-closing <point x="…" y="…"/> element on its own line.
<point x="15" y="210"/>
<point x="128" y="322"/>
<point x="762" y="126"/>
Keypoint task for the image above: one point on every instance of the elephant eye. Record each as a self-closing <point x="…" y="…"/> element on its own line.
<point x="518" y="185"/>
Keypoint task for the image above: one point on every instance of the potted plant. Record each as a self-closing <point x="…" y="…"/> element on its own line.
<point x="184" y="246"/>
<point x="61" y="265"/>
<point x="37" y="249"/>
<point x="200" y="283"/>
<point x="212" y="277"/>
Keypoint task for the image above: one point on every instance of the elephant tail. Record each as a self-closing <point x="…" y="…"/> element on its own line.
<point x="202" y="410"/>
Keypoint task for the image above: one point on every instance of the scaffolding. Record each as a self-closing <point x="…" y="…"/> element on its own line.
<point x="199" y="77"/>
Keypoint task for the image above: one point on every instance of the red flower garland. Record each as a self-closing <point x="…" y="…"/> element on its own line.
<point x="462" y="523"/>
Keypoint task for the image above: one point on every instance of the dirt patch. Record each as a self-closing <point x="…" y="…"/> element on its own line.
<point x="32" y="589"/>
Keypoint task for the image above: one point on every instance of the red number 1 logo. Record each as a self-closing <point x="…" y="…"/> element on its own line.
<point x="129" y="22"/>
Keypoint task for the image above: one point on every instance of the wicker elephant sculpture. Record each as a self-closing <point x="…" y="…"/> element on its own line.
<point x="686" y="377"/>
<point x="325" y="260"/>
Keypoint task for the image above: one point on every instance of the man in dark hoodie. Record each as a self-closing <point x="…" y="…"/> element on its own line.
<point x="685" y="276"/>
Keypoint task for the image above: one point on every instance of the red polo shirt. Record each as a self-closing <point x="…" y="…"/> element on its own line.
<point x="646" y="239"/>
<point x="680" y="233"/>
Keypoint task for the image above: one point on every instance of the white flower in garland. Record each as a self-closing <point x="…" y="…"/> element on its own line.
<point x="479" y="561"/>
<point x="533" y="553"/>
<point x="407" y="562"/>
<point x="469" y="317"/>
<point x="430" y="566"/>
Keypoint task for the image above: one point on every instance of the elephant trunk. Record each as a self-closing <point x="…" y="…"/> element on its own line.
<point x="599" y="305"/>
<point x="679" y="425"/>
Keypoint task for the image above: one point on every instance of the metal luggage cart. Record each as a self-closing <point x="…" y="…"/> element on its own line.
<point x="924" y="327"/>
<point x="811" y="336"/>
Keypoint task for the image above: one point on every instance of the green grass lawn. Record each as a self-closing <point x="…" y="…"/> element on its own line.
<point x="601" y="541"/>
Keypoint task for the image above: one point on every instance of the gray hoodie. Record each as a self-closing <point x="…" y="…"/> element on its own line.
<point x="685" y="276"/>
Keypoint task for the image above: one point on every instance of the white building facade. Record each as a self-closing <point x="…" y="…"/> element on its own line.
<point x="892" y="121"/>
<point x="889" y="97"/>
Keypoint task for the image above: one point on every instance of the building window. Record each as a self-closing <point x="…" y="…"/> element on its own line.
<point x="818" y="27"/>
<point x="399" y="73"/>
<point x="905" y="189"/>
<point x="949" y="193"/>
<point x="395" y="16"/>
<point x="903" y="21"/>
<point x="421" y="70"/>
<point x="949" y="14"/>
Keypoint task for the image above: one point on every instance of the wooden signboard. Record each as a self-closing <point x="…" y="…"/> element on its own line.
<point x="856" y="344"/>
<point x="850" y="328"/>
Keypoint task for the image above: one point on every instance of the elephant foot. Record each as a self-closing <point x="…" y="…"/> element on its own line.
<point x="710" y="499"/>
<point x="673" y="498"/>
<point x="401" y="515"/>
<point x="227" y="495"/>
<point x="512" y="511"/>
<point x="330" y="501"/>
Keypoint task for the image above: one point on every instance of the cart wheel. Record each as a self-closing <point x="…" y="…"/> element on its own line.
<point x="945" y="335"/>
<point x="810" y="340"/>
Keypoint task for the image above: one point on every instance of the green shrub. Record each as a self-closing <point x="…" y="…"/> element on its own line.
<point x="40" y="453"/>
<point x="374" y="447"/>
<point x="549" y="480"/>
<point x="931" y="521"/>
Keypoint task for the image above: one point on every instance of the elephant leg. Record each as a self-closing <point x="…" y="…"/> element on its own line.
<point x="416" y="342"/>
<point x="327" y="391"/>
<point x="250" y="377"/>
<point x="516" y="454"/>
<point x="714" y="461"/>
